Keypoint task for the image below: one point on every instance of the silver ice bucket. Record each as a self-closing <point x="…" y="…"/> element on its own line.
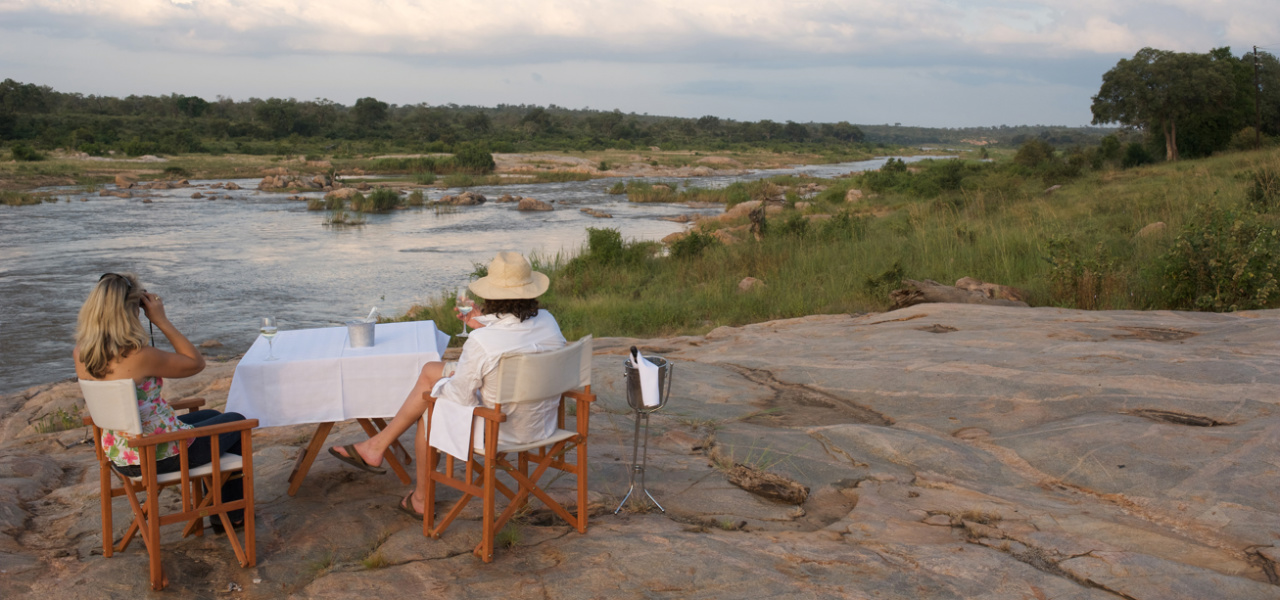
<point x="360" y="334"/>
<point x="635" y="399"/>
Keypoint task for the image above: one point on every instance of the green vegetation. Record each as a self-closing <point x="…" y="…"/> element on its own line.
<point x="9" y="198"/>
<point x="59" y="420"/>
<point x="44" y="119"/>
<point x="1074" y="246"/>
<point x="1191" y="104"/>
<point x="380" y="200"/>
<point x="24" y="153"/>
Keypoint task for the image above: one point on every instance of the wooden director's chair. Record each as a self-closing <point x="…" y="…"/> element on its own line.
<point x="522" y="378"/>
<point x="114" y="405"/>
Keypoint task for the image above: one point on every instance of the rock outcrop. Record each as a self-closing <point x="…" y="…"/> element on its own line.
<point x="533" y="204"/>
<point x="966" y="291"/>
<point x="464" y="199"/>
<point x="938" y="451"/>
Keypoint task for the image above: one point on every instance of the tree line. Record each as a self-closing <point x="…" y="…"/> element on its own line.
<point x="1190" y="104"/>
<point x="37" y="117"/>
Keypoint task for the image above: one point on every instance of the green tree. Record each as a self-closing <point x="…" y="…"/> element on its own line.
<point x="191" y="106"/>
<point x="369" y="112"/>
<point x="278" y="115"/>
<point x="1158" y="89"/>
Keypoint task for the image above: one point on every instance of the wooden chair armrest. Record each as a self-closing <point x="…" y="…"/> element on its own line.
<point x="491" y="414"/>
<point x="488" y="413"/>
<point x="190" y="404"/>
<point x="173" y="436"/>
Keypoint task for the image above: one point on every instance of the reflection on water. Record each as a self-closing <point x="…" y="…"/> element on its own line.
<point x="221" y="264"/>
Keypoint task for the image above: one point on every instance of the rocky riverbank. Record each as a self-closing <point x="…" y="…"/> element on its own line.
<point x="949" y="451"/>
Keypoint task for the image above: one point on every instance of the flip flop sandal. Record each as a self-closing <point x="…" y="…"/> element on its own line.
<point x="406" y="506"/>
<point x="354" y="459"/>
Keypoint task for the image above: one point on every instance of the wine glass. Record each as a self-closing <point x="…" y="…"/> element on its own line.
<point x="267" y="327"/>
<point x="464" y="306"/>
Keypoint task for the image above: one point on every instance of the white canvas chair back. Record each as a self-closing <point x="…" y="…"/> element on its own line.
<point x="113" y="404"/>
<point x="525" y="377"/>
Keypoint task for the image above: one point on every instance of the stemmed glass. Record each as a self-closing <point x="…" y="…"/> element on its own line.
<point x="267" y="327"/>
<point x="464" y="306"/>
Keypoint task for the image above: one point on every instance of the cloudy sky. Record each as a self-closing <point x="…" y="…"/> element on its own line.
<point x="942" y="63"/>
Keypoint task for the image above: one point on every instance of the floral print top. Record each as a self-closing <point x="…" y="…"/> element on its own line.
<point x="157" y="417"/>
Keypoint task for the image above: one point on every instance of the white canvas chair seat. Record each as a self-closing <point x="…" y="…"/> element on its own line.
<point x="559" y="436"/>
<point x="520" y="378"/>
<point x="114" y="405"/>
<point x="227" y="462"/>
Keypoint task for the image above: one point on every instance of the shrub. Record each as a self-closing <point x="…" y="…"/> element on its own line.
<point x="1264" y="189"/>
<point x="1136" y="155"/>
<point x="1109" y="149"/>
<point x="1085" y="281"/>
<point x="604" y="245"/>
<point x="474" y="158"/>
<point x="603" y="166"/>
<point x="18" y="198"/>
<point x="1034" y="153"/>
<point x="425" y="178"/>
<point x="137" y="147"/>
<point x="416" y="198"/>
<point x="618" y="188"/>
<point x="1224" y="260"/>
<point x="879" y="286"/>
<point x="693" y="244"/>
<point x="639" y="191"/>
<point x="176" y="172"/>
<point x="794" y="225"/>
<point x="380" y="200"/>
<point x="843" y="226"/>
<point x="24" y="153"/>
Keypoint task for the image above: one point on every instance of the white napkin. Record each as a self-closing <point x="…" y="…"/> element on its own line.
<point x="451" y="428"/>
<point x="648" y="371"/>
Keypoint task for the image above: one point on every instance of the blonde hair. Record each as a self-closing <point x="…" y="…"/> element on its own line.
<point x="108" y="327"/>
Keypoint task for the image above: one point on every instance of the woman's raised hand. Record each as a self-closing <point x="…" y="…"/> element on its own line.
<point x="153" y="306"/>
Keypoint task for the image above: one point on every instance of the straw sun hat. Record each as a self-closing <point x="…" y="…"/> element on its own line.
<point x="510" y="278"/>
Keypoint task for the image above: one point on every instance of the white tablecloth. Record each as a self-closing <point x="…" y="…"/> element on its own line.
<point x="320" y="378"/>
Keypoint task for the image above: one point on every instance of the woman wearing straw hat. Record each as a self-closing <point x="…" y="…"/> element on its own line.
<point x="510" y="322"/>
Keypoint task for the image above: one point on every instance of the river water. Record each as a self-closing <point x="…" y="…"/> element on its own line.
<point x="219" y="265"/>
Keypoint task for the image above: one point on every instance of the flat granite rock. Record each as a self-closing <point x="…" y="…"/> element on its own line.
<point x="950" y="451"/>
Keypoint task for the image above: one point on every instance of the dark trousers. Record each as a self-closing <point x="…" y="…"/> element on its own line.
<point x="200" y="453"/>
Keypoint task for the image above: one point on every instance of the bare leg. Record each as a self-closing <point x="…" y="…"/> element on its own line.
<point x="420" y="488"/>
<point x="410" y="412"/>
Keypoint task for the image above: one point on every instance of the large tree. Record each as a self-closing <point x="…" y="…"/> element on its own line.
<point x="1157" y="89"/>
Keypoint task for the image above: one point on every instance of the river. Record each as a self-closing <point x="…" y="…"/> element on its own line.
<point x="219" y="265"/>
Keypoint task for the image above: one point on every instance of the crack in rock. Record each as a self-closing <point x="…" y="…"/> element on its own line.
<point x="801" y="405"/>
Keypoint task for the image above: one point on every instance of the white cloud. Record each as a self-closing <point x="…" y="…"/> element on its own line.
<point x="1044" y="27"/>
<point x="820" y="59"/>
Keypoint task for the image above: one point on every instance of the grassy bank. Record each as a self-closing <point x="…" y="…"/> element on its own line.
<point x="1075" y="246"/>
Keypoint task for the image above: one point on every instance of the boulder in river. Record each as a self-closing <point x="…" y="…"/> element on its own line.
<point x="533" y="204"/>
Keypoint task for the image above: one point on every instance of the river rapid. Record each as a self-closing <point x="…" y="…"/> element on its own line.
<point x="221" y="264"/>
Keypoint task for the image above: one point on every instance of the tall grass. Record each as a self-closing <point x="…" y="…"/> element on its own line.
<point x="1075" y="247"/>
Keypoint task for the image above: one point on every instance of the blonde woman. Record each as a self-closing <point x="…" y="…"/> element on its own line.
<point x="111" y="344"/>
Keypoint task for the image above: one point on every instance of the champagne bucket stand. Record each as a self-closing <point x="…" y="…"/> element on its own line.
<point x="639" y="458"/>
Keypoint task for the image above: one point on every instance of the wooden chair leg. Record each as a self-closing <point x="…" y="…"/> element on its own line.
<point x="581" y="472"/>
<point x="108" y="536"/>
<point x="488" y="533"/>
<point x="152" y="535"/>
<point x="250" y="548"/>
